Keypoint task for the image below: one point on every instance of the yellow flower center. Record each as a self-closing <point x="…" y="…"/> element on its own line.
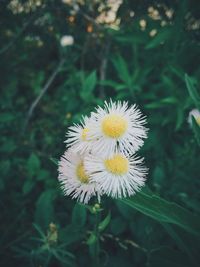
<point x="81" y="174"/>
<point x="118" y="164"/>
<point x="84" y="134"/>
<point x="198" y="120"/>
<point x="114" y="125"/>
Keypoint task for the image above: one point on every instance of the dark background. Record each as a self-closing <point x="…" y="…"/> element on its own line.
<point x="142" y="56"/>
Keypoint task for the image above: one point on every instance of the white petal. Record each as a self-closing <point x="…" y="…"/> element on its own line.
<point x="130" y="141"/>
<point x="69" y="181"/>
<point x="113" y="185"/>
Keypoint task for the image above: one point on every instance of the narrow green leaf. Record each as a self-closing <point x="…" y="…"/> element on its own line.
<point x="164" y="211"/>
<point x="122" y="69"/>
<point x="179" y="118"/>
<point x="117" y="86"/>
<point x="162" y="103"/>
<point x="177" y="71"/>
<point x="161" y="37"/>
<point x="169" y="100"/>
<point x="88" y="86"/>
<point x="105" y="222"/>
<point x="180" y="242"/>
<point x="54" y="160"/>
<point x="39" y="230"/>
<point x="192" y="91"/>
<point x="92" y="239"/>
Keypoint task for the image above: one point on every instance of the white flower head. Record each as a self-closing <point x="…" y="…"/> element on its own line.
<point x="74" y="179"/>
<point x="66" y="40"/>
<point x="118" y="175"/>
<point x="117" y="127"/>
<point x="78" y="136"/>
<point x="196" y="114"/>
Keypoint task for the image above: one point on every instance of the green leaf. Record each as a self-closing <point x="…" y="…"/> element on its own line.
<point x="181" y="243"/>
<point x="137" y="38"/>
<point x="44" y="213"/>
<point x="88" y="86"/>
<point x="125" y="211"/>
<point x="154" y="105"/>
<point x="43" y="175"/>
<point x="79" y="215"/>
<point x="177" y="71"/>
<point x="105" y="222"/>
<point x="179" y="118"/>
<point x="192" y="91"/>
<point x="28" y="186"/>
<point x="92" y="239"/>
<point x="54" y="160"/>
<point x="122" y="69"/>
<point x="169" y="100"/>
<point x="162" y="103"/>
<point x="117" y="86"/>
<point x="164" y="211"/>
<point x="196" y="129"/>
<point x="161" y="37"/>
<point x="39" y="230"/>
<point x="33" y="164"/>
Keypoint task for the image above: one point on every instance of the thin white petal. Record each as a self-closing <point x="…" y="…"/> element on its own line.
<point x="69" y="181"/>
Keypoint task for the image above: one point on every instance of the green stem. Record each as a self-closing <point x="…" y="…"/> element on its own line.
<point x="97" y="243"/>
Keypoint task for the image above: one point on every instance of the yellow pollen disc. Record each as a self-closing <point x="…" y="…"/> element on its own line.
<point x="82" y="176"/>
<point x="84" y="134"/>
<point x="198" y="120"/>
<point x="114" y="125"/>
<point x="118" y="164"/>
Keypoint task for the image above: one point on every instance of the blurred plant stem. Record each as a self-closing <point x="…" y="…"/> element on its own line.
<point x="97" y="243"/>
<point x="42" y="92"/>
<point x="96" y="210"/>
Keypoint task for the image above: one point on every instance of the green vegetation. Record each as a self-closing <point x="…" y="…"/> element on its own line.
<point x="148" y="54"/>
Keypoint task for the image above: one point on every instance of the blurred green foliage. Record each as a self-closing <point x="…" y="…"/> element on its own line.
<point x="147" y="55"/>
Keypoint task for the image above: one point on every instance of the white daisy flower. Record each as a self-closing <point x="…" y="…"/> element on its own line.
<point x="78" y="136"/>
<point x="74" y="180"/>
<point x="118" y="175"/>
<point x="117" y="126"/>
<point x="66" y="40"/>
<point x="196" y="114"/>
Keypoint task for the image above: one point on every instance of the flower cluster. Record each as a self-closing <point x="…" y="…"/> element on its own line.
<point x="100" y="157"/>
